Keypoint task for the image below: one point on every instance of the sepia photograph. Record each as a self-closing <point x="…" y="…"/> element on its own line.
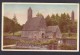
<point x="40" y="27"/>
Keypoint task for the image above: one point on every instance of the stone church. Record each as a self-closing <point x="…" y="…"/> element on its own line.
<point x="36" y="27"/>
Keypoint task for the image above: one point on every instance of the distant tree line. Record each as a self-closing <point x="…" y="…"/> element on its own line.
<point x="10" y="26"/>
<point x="63" y="21"/>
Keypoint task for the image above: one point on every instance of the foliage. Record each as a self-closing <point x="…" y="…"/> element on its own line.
<point x="48" y="21"/>
<point x="64" y="22"/>
<point x="39" y="14"/>
<point x="10" y="26"/>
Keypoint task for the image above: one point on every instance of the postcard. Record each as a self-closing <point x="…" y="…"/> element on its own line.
<point x="49" y="27"/>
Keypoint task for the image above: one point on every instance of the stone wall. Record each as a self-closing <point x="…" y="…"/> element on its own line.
<point x="32" y="34"/>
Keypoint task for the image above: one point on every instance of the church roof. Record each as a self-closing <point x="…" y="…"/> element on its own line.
<point x="34" y="24"/>
<point x="54" y="29"/>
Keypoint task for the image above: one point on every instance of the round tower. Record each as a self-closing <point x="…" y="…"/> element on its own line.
<point x="72" y="16"/>
<point x="29" y="13"/>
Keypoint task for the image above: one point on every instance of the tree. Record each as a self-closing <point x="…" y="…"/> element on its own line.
<point x="48" y="20"/>
<point x="64" y="22"/>
<point x="14" y="24"/>
<point x="9" y="25"/>
<point x="53" y="16"/>
<point x="68" y="16"/>
<point x="39" y="14"/>
<point x="73" y="27"/>
<point x="57" y="18"/>
<point x="54" y="20"/>
<point x="15" y="19"/>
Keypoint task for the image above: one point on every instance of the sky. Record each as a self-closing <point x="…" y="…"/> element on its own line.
<point x="20" y="10"/>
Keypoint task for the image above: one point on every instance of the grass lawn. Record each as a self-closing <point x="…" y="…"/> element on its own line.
<point x="11" y="34"/>
<point x="8" y="41"/>
<point x="68" y="47"/>
<point x="72" y="35"/>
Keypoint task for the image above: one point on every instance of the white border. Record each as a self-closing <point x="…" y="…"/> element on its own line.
<point x="41" y="50"/>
